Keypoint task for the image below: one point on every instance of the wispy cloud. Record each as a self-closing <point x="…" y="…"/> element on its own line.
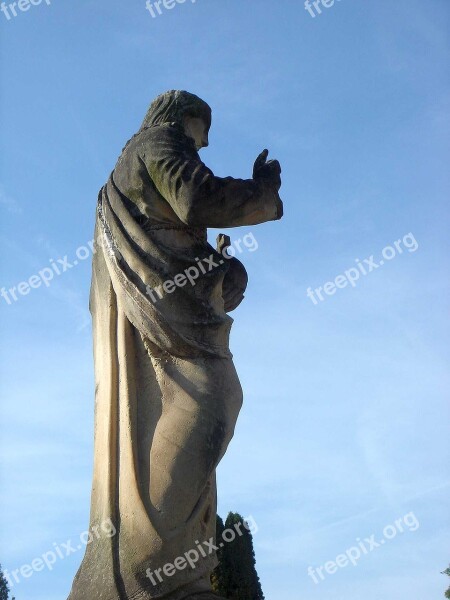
<point x="9" y="203"/>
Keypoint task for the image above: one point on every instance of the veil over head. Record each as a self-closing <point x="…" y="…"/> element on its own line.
<point x="173" y="106"/>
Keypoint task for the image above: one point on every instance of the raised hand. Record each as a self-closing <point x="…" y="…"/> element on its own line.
<point x="269" y="171"/>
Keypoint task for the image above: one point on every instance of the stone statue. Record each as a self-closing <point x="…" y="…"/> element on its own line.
<point x="167" y="393"/>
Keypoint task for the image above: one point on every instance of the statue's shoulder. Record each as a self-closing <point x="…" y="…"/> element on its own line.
<point x="157" y="143"/>
<point x="165" y="133"/>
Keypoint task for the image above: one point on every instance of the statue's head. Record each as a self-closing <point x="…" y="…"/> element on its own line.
<point x="185" y="109"/>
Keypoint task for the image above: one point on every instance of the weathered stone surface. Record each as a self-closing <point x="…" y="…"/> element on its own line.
<point x="167" y="393"/>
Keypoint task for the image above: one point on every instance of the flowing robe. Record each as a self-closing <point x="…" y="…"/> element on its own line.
<point x="167" y="393"/>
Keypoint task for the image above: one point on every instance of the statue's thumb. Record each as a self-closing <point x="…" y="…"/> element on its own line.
<point x="261" y="160"/>
<point x="263" y="156"/>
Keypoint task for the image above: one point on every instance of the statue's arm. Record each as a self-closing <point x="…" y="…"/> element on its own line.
<point x="198" y="197"/>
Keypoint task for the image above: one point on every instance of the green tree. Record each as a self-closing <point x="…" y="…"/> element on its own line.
<point x="4" y="589"/>
<point x="220" y="573"/>
<point x="447" y="572"/>
<point x="236" y="578"/>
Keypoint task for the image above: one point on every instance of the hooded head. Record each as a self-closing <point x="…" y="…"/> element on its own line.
<point x="174" y="106"/>
<point x="178" y="107"/>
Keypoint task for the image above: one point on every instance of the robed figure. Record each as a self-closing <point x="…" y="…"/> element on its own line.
<point x="167" y="393"/>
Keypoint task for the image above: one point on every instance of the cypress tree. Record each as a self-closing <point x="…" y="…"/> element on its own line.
<point x="236" y="578"/>
<point x="447" y="572"/>
<point x="219" y="576"/>
<point x="4" y="589"/>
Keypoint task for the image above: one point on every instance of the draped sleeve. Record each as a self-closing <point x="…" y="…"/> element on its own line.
<point x="196" y="195"/>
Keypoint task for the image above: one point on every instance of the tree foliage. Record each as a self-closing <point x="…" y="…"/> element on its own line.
<point x="219" y="575"/>
<point x="447" y="572"/>
<point x="236" y="578"/>
<point x="4" y="589"/>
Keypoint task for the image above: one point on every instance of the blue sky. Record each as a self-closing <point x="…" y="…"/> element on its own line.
<point x="344" y="429"/>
